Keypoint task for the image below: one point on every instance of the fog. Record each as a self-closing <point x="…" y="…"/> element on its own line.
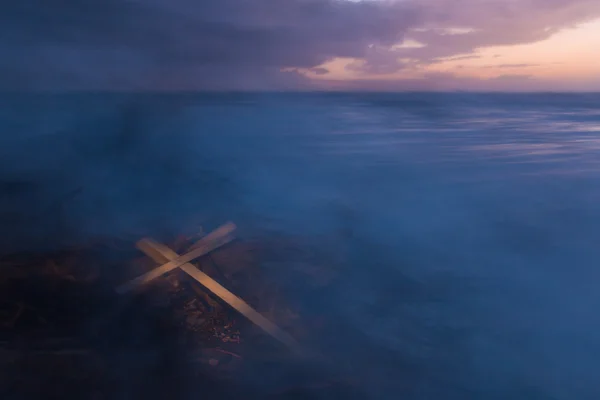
<point x="467" y="267"/>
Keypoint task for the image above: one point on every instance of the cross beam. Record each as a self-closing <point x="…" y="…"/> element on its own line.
<point x="163" y="254"/>
<point x="208" y="243"/>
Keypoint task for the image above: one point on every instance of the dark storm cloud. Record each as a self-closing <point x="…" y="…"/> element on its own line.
<point x="184" y="43"/>
<point x="224" y="44"/>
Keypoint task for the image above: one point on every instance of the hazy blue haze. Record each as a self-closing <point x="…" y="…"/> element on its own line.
<point x="471" y="221"/>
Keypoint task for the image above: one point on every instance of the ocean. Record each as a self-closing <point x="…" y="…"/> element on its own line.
<point x="469" y="223"/>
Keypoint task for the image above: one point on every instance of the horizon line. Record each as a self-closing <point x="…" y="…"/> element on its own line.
<point x="287" y="91"/>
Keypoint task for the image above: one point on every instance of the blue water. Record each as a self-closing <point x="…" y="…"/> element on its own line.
<point x="469" y="223"/>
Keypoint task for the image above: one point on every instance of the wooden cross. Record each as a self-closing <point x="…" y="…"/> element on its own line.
<point x="163" y="254"/>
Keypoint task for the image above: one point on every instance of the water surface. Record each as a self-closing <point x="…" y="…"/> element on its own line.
<point x="471" y="221"/>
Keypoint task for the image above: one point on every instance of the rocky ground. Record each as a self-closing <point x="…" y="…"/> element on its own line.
<point x="65" y="332"/>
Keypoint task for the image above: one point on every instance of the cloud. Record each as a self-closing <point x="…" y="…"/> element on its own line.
<point x="492" y="23"/>
<point x="459" y="58"/>
<point x="517" y="65"/>
<point x="511" y="65"/>
<point x="378" y="60"/>
<point x="505" y="77"/>
<point x="207" y="44"/>
<point x="203" y="43"/>
<point x="319" y="71"/>
<point x="450" y="30"/>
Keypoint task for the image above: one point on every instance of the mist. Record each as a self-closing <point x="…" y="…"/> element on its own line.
<point x="466" y="267"/>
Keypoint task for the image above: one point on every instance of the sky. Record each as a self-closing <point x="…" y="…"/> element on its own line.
<point x="506" y="45"/>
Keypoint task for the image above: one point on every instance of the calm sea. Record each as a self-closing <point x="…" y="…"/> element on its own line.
<point x="471" y="222"/>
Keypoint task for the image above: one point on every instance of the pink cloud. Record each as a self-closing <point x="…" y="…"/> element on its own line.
<point x="492" y="23"/>
<point x="240" y="44"/>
